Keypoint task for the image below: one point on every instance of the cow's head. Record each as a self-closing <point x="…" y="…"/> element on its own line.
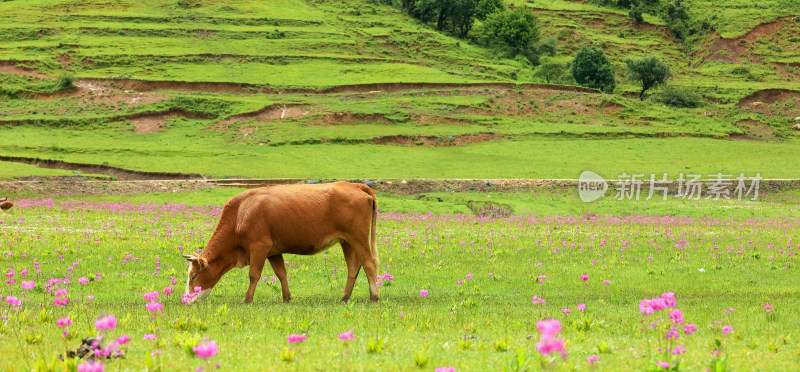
<point x="199" y="275"/>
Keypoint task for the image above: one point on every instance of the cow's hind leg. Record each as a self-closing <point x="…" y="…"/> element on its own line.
<point x="353" y="267"/>
<point x="279" y="268"/>
<point x="257" y="260"/>
<point x="369" y="263"/>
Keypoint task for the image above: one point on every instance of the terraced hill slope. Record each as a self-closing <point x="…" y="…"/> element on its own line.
<point x="356" y="88"/>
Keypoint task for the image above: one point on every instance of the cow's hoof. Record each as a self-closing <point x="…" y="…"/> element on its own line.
<point x="247" y="300"/>
<point x="344" y="299"/>
<point x="374" y="298"/>
<point x="286" y="300"/>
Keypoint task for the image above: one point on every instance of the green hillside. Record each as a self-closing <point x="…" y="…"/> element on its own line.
<point x="359" y="88"/>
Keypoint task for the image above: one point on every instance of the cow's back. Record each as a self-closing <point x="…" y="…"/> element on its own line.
<point x="303" y="219"/>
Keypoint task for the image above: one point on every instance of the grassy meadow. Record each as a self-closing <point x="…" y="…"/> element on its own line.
<point x="480" y="274"/>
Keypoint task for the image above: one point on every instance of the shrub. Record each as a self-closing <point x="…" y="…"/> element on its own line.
<point x="636" y="14"/>
<point x="680" y="98"/>
<point x="65" y="80"/>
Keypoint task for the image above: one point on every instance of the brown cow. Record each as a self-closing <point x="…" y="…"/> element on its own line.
<point x="264" y="223"/>
<point x="5" y="204"/>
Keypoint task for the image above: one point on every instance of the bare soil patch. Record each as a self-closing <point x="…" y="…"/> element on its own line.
<point x="268" y="114"/>
<point x="119" y="173"/>
<point x="769" y="96"/>
<point x="744" y="137"/>
<point x="431" y="141"/>
<point x="345" y="118"/>
<point x="433" y="120"/>
<point x="151" y="122"/>
<point x="755" y="127"/>
<point x="20" y="68"/>
<point x="65" y="186"/>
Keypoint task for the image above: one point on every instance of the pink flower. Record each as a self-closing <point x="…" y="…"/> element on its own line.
<point x="658" y="304"/>
<point x="672" y="334"/>
<point x="64" y="322"/>
<point x="83" y="281"/>
<point x="689" y="329"/>
<point x="676" y="315"/>
<point x="28" y="285"/>
<point x="664" y="365"/>
<point x="423" y="292"/>
<point x="566" y="311"/>
<point x="645" y="308"/>
<point x="727" y="329"/>
<point x="153" y="306"/>
<point x="769" y="308"/>
<point x="151" y="296"/>
<point x="728" y="311"/>
<point x="205" y="350"/>
<point x="549" y="345"/>
<point x="537" y="300"/>
<point x="61" y="292"/>
<point x="581" y="307"/>
<point x="669" y="299"/>
<point x="150" y="336"/>
<point x="678" y="350"/>
<point x="446" y="369"/>
<point x="293" y="338"/>
<point x="584" y="277"/>
<point x="347" y="336"/>
<point x="549" y="327"/>
<point x="198" y="289"/>
<point x="606" y="282"/>
<point x="63" y="301"/>
<point x="106" y="323"/>
<point x="592" y="359"/>
<point x="91" y="366"/>
<point x="13" y="301"/>
<point x="469" y="276"/>
<point x="124" y="339"/>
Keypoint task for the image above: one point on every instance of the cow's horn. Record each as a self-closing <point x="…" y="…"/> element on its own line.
<point x="189" y="257"/>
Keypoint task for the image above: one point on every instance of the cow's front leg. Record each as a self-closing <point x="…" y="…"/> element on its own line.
<point x="279" y="268"/>
<point x="256" y="267"/>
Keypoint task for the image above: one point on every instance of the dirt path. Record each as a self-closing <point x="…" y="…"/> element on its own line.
<point x="71" y="186"/>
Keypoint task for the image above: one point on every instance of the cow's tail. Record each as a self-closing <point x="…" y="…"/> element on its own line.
<point x="373" y="241"/>
<point x="373" y="230"/>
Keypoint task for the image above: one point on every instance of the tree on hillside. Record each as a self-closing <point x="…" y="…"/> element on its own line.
<point x="550" y="70"/>
<point x="517" y="29"/>
<point x="462" y="14"/>
<point x="548" y="47"/>
<point x="591" y="68"/>
<point x="649" y="71"/>
<point x="488" y="7"/>
<point x="636" y="14"/>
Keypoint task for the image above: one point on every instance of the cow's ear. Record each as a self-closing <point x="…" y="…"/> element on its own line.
<point x="203" y="262"/>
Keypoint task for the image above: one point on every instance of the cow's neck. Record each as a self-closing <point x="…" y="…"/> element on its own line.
<point x="222" y="244"/>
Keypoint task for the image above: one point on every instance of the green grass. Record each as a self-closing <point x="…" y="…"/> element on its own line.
<point x="484" y="323"/>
